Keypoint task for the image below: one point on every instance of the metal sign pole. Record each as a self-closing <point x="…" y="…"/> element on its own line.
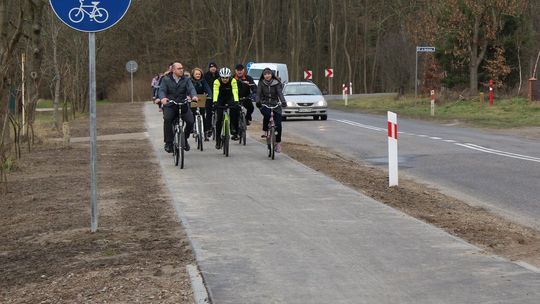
<point x="93" y="143"/>
<point x="416" y="76"/>
<point x="23" y="59"/>
<point x="131" y="86"/>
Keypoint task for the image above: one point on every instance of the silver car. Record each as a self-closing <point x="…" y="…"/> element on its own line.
<point x="304" y="99"/>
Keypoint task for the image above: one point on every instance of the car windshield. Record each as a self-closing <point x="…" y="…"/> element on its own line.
<point x="256" y="73"/>
<point x="301" y="90"/>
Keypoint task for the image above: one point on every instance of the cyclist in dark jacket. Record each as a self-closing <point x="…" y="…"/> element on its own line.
<point x="202" y="87"/>
<point x="176" y="87"/>
<point x="210" y="76"/>
<point x="270" y="92"/>
<point x="246" y="88"/>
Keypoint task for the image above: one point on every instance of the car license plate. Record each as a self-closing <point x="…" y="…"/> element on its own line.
<point x="304" y="110"/>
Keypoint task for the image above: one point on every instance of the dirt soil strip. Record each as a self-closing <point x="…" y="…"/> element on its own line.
<point x="477" y="226"/>
<point x="47" y="253"/>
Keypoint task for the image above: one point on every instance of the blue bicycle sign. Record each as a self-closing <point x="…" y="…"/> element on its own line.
<point x="99" y="15"/>
<point x="90" y="15"/>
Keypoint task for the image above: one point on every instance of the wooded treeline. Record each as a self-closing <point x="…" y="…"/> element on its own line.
<point x="369" y="42"/>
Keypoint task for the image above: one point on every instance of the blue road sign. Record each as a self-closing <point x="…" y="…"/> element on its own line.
<point x="248" y="65"/>
<point x="90" y="16"/>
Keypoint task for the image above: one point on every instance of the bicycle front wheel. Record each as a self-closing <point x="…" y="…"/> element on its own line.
<point x="182" y="147"/>
<point x="176" y="151"/>
<point x="101" y="15"/>
<point x="272" y="142"/>
<point x="200" y="133"/>
<point x="226" y="145"/>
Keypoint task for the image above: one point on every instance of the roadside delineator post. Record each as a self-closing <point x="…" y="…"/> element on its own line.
<point x="345" y="92"/>
<point x="432" y="102"/>
<point x="490" y="92"/>
<point x="392" y="149"/>
<point x="350" y="87"/>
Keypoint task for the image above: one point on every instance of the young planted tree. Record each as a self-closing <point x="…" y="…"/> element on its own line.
<point x="474" y="26"/>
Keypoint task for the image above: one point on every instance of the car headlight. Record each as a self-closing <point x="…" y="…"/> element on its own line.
<point x="320" y="103"/>
<point x="291" y="104"/>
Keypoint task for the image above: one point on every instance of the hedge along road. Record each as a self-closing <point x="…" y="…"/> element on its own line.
<point x="278" y="232"/>
<point x="500" y="172"/>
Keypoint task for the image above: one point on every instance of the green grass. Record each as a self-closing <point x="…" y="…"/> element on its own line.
<point x="505" y="113"/>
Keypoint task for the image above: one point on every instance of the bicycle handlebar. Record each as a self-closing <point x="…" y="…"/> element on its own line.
<point x="180" y="103"/>
<point x="274" y="107"/>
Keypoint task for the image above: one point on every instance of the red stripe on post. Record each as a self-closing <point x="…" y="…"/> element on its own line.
<point x="395" y="130"/>
<point x="389" y="129"/>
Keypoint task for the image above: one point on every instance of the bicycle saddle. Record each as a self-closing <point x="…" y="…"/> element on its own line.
<point x="95" y="3"/>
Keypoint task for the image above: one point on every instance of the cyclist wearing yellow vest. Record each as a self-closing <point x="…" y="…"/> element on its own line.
<point x="225" y="93"/>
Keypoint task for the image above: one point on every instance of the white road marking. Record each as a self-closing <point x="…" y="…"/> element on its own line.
<point x="356" y="124"/>
<point x="498" y="152"/>
<point x="466" y="145"/>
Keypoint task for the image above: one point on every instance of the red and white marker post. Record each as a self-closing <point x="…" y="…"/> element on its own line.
<point x="490" y="92"/>
<point x="432" y="102"/>
<point x="392" y="149"/>
<point x="345" y="92"/>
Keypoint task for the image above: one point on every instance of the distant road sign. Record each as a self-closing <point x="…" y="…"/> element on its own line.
<point x="308" y="74"/>
<point x="329" y="73"/>
<point x="428" y="49"/>
<point x="90" y="16"/>
<point x="248" y="65"/>
<point x="132" y="66"/>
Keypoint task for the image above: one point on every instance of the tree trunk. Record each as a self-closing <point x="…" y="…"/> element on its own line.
<point x="36" y="7"/>
<point x="57" y="78"/>
<point x="345" y="42"/>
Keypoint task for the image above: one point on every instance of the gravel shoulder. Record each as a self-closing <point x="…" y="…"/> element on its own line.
<point x="47" y="253"/>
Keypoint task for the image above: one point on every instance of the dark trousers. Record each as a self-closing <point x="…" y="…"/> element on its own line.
<point x="208" y="117"/>
<point x="170" y="114"/>
<point x="248" y="104"/>
<point x="266" y="112"/>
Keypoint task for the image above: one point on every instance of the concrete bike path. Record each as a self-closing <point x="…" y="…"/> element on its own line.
<point x="278" y="232"/>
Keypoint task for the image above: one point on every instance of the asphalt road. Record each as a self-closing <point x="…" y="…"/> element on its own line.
<point x="500" y="172"/>
<point x="268" y="231"/>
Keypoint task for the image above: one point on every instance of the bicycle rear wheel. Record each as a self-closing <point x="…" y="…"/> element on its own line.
<point x="273" y="142"/>
<point x="182" y="145"/>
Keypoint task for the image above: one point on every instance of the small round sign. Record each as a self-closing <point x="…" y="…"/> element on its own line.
<point x="248" y="65"/>
<point x="132" y="66"/>
<point x="88" y="15"/>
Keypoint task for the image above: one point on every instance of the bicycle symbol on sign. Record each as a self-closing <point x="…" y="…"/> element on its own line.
<point x="99" y="15"/>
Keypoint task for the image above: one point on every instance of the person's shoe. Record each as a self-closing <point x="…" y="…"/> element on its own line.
<point x="248" y="122"/>
<point x="206" y="138"/>
<point x="218" y="145"/>
<point x="168" y="147"/>
<point x="235" y="137"/>
<point x="263" y="135"/>
<point x="277" y="148"/>
<point x="187" y="147"/>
